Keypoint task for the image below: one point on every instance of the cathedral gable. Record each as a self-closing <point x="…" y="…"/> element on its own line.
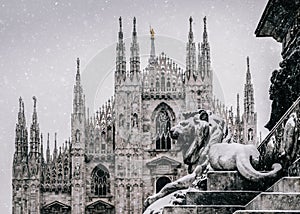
<point x="163" y="165"/>
<point x="99" y="206"/>
<point x="56" y="207"/>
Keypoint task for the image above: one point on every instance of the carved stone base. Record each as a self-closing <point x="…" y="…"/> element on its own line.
<point x="187" y="209"/>
<point x="233" y="180"/>
<point x="220" y="197"/>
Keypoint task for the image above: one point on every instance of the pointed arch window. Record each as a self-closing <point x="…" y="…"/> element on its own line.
<point x="163" y="80"/>
<point x="100" y="181"/>
<point x="168" y="85"/>
<point x="163" y="126"/>
<point x="157" y="84"/>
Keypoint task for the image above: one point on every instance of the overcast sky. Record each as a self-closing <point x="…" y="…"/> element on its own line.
<point x="40" y="41"/>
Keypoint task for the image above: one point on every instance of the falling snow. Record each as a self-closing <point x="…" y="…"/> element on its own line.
<point x="40" y="41"/>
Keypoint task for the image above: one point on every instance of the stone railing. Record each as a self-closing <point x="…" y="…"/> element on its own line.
<point x="147" y="95"/>
<point x="282" y="143"/>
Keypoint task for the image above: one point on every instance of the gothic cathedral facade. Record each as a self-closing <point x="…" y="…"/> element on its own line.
<point x="114" y="160"/>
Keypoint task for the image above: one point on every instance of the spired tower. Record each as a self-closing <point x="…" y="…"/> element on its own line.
<point x="128" y="148"/>
<point x="198" y="79"/>
<point x="20" y="164"/>
<point x="27" y="165"/>
<point x="78" y="147"/>
<point x="245" y="126"/>
<point x="249" y="118"/>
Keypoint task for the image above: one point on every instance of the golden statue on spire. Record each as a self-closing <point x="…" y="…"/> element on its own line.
<point x="152" y="32"/>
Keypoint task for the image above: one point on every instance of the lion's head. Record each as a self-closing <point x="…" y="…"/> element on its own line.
<point x="192" y="134"/>
<point x="186" y="128"/>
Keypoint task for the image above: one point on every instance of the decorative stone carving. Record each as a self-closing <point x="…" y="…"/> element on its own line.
<point x="208" y="147"/>
<point x="77" y="171"/>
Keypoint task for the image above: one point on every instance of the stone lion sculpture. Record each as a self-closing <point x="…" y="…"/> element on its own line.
<point x="205" y="142"/>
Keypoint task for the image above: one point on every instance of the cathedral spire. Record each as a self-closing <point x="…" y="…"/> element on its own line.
<point x="152" y="50"/>
<point x="134" y="27"/>
<point x="249" y="116"/>
<point x="42" y="149"/>
<point x="191" y="34"/>
<point x="191" y="54"/>
<point x="205" y="30"/>
<point x="78" y="72"/>
<point x="120" y="31"/>
<point x="120" y="73"/>
<point x="134" y="54"/>
<point x="55" y="147"/>
<point x="248" y="75"/>
<point x="200" y="61"/>
<point x="78" y="100"/>
<point x="21" y="140"/>
<point x="48" y="149"/>
<point x="206" y="53"/>
<point x="238" y="123"/>
<point x="34" y="115"/>
<point x="248" y="92"/>
<point x="238" y="109"/>
<point x="34" y="132"/>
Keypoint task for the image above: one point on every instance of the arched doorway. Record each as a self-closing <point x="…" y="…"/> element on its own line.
<point x="161" y="182"/>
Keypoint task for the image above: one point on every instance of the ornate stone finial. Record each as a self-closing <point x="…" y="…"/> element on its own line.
<point x="120" y="23"/>
<point x="248" y="75"/>
<point x="120" y="31"/>
<point x="191" y="21"/>
<point x="34" y="101"/>
<point x="34" y="104"/>
<point x="205" y="37"/>
<point x="134" y="25"/>
<point x="78" y="64"/>
<point x="78" y="69"/>
<point x="248" y="62"/>
<point x="191" y="35"/>
<point x="20" y="104"/>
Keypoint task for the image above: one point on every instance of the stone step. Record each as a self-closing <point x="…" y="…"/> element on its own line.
<point x="286" y="184"/>
<point x="233" y="180"/>
<point x="266" y="211"/>
<point x="196" y="197"/>
<point x="275" y="201"/>
<point x="201" y="209"/>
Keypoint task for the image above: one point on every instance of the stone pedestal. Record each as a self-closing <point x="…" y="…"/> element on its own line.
<point x="220" y="197"/>
<point x="229" y="180"/>
<point x="233" y="180"/>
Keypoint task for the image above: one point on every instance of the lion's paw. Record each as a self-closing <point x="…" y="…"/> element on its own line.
<point x="179" y="198"/>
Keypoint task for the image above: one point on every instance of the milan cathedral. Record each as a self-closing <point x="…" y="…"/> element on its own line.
<point x="123" y="153"/>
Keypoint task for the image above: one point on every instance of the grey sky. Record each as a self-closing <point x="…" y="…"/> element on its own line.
<point x="40" y="41"/>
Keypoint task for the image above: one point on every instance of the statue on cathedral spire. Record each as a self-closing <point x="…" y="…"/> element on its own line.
<point x="152" y="32"/>
<point x="152" y="50"/>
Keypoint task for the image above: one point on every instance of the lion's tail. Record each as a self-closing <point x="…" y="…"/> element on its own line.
<point x="246" y="169"/>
